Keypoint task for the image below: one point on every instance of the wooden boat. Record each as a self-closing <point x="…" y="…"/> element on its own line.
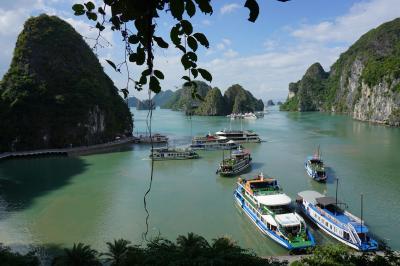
<point x="165" y="153"/>
<point x="212" y="142"/>
<point x="238" y="161"/>
<point x="315" y="167"/>
<point x="270" y="210"/>
<point x="239" y="136"/>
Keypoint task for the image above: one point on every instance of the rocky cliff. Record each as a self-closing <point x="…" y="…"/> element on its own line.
<point x="55" y="93"/>
<point x="235" y="100"/>
<point x="161" y="98"/>
<point x="364" y="82"/>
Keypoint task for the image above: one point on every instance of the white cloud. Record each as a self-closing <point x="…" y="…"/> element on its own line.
<point x="231" y="53"/>
<point x="206" y="22"/>
<point x="229" y="8"/>
<point x="361" y="17"/>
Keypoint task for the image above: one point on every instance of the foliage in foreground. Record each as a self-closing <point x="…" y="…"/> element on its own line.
<point x="193" y="249"/>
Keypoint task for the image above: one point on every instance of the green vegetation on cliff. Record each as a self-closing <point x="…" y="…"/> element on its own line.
<point x="364" y="81"/>
<point x="161" y="98"/>
<point x="235" y="100"/>
<point x="55" y="92"/>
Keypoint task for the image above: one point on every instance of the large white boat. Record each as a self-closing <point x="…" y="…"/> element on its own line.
<point x="155" y="138"/>
<point x="211" y="142"/>
<point x="269" y="209"/>
<point x="250" y="116"/>
<point x="239" y="136"/>
<point x="327" y="214"/>
<point x="165" y="153"/>
<point x="238" y="161"/>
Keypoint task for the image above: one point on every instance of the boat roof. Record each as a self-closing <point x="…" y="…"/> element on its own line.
<point x="310" y="196"/>
<point x="231" y="141"/>
<point x="287" y="219"/>
<point x="325" y="201"/>
<point x="274" y="199"/>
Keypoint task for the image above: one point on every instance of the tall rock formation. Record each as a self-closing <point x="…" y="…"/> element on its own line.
<point x="213" y="104"/>
<point x="55" y="93"/>
<point x="239" y="100"/>
<point x="364" y="82"/>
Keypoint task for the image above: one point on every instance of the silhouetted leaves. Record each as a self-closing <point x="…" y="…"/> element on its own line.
<point x="160" y="42"/>
<point x="205" y="74"/>
<point x="202" y="39"/>
<point x="111" y="63"/>
<point x="254" y="9"/>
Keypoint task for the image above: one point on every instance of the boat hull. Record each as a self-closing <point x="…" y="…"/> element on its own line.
<point x="237" y="171"/>
<point x="263" y="228"/>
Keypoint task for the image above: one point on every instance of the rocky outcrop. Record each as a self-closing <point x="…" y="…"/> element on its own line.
<point x="145" y="105"/>
<point x="213" y="104"/>
<point x="270" y="103"/>
<point x="161" y="98"/>
<point x="364" y="82"/>
<point x="56" y="94"/>
<point x="239" y="100"/>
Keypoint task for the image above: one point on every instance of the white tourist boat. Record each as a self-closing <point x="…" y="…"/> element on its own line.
<point x="239" y="136"/>
<point x="327" y="214"/>
<point x="270" y="210"/>
<point x="166" y="153"/>
<point x="155" y="138"/>
<point x="249" y="116"/>
<point x="212" y="142"/>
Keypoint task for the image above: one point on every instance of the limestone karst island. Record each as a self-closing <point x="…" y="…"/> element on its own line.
<point x="199" y="132"/>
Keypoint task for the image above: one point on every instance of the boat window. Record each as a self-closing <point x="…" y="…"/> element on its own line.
<point x="346" y="235"/>
<point x="280" y="209"/>
<point x="293" y="230"/>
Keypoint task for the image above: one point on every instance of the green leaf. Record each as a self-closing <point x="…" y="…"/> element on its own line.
<point x="158" y="74"/>
<point x="194" y="72"/>
<point x="202" y="39"/>
<point x="252" y="5"/>
<point x="174" y="34"/>
<point x="185" y="62"/>
<point x="190" y="8"/>
<point x="132" y="57"/>
<point x="177" y="7"/>
<point x="192" y="56"/>
<point x="99" y="26"/>
<point x="142" y="80"/>
<point x="192" y="43"/>
<point x="91" y="15"/>
<point x="154" y="84"/>
<point x="101" y="11"/>
<point x="79" y="9"/>
<point x="146" y="72"/>
<point x="187" y="27"/>
<point x="111" y="63"/>
<point x="134" y="39"/>
<point x="180" y="47"/>
<point x="160" y="42"/>
<point x="205" y="74"/>
<point x="205" y="6"/>
<point x="90" y="6"/>
<point x="186" y="78"/>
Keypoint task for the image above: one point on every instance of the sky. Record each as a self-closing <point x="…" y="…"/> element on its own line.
<point x="263" y="57"/>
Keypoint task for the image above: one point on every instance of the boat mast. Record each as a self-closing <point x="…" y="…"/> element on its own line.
<point x="337" y="185"/>
<point x="362" y="198"/>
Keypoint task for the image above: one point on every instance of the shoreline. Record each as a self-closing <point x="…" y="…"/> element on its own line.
<point x="75" y="151"/>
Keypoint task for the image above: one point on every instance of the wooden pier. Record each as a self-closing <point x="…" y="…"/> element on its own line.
<point x="75" y="151"/>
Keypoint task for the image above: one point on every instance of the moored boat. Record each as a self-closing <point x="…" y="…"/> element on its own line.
<point x="239" y="136"/>
<point x="155" y="138"/>
<point x="238" y="161"/>
<point x="263" y="201"/>
<point x="250" y="116"/>
<point x="165" y="153"/>
<point x="315" y="167"/>
<point x="212" y="142"/>
<point x="327" y="213"/>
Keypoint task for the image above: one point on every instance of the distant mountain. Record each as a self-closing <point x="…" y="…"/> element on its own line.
<point x="145" y="105"/>
<point x="161" y="98"/>
<point x="236" y="99"/>
<point x="270" y="103"/>
<point x="56" y="94"/>
<point x="133" y="101"/>
<point x="364" y="82"/>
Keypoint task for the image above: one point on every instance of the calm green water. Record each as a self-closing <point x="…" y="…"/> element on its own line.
<point x="96" y="198"/>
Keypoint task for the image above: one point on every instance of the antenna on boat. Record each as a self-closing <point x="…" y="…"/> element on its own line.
<point x="337" y="185"/>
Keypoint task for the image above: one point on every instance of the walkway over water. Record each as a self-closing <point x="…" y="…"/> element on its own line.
<point x="81" y="150"/>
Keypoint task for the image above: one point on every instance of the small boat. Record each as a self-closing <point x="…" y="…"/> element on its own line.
<point x="327" y="214"/>
<point x="259" y="114"/>
<point x="249" y="116"/>
<point x="263" y="201"/>
<point x="239" y="136"/>
<point x="212" y="142"/>
<point x="155" y="138"/>
<point x="238" y="161"/>
<point x="315" y="167"/>
<point x="165" y="153"/>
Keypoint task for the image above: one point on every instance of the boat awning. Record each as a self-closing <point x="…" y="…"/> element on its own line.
<point x="287" y="219"/>
<point x="269" y="219"/>
<point x="310" y="196"/>
<point x="274" y="199"/>
<point x="231" y="141"/>
<point x="325" y="201"/>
